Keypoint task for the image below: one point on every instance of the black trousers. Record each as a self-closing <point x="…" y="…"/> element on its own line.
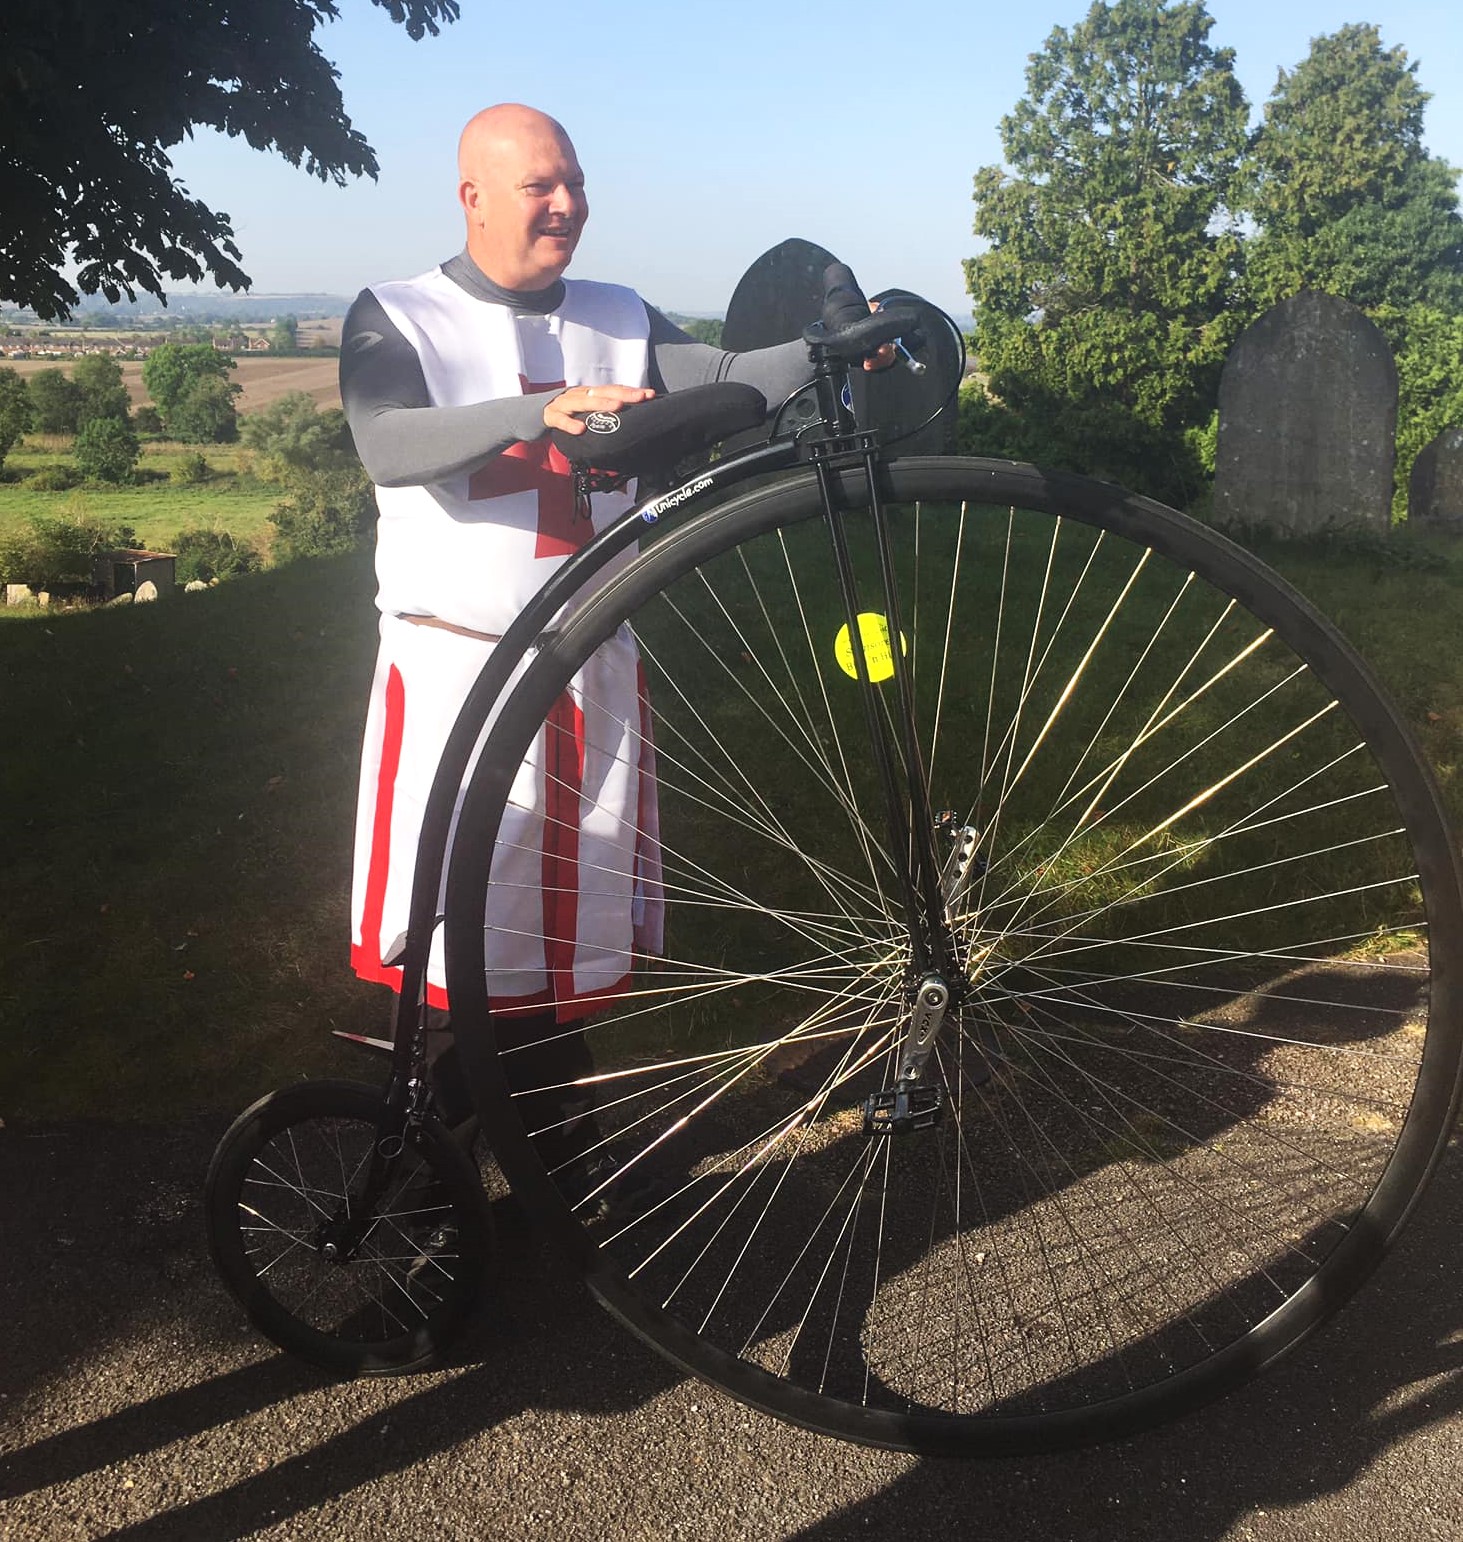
<point x="548" y="1065"/>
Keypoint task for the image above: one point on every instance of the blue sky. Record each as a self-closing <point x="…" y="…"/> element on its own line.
<point x="709" y="131"/>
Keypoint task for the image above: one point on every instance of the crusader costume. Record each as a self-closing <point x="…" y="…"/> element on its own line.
<point x="443" y="379"/>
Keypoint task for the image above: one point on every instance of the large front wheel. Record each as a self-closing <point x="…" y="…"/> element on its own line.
<point x="1206" y="1040"/>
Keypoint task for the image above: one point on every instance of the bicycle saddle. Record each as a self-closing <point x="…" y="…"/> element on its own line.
<point x="648" y="436"/>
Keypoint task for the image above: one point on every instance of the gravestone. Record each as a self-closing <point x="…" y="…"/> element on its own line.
<point x="780" y="294"/>
<point x="1435" y="488"/>
<point x="1307" y="421"/>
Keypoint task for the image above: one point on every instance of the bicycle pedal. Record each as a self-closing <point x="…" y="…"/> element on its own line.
<point x="899" y="1110"/>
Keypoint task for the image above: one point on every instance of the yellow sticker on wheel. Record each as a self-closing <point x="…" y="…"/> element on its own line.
<point x="873" y="630"/>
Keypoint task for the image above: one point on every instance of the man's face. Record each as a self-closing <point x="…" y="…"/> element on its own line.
<point x="523" y="193"/>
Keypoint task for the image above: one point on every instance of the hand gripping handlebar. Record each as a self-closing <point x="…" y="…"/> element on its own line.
<point x="849" y="330"/>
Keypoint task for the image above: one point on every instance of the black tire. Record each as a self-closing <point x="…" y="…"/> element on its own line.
<point x="1212" y="918"/>
<point x="289" y="1165"/>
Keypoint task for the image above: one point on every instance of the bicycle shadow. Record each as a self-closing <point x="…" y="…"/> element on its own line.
<point x="1104" y="1167"/>
<point x="112" y="1282"/>
<point x="1298" y="1436"/>
<point x="1384" y="1372"/>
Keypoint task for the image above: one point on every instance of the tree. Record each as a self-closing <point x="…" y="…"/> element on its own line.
<point x="85" y="128"/>
<point x="55" y="400"/>
<point x="1428" y="345"/>
<point x="54" y="551"/>
<point x="284" y="336"/>
<point x="208" y="554"/>
<point x="98" y="379"/>
<point x="329" y="505"/>
<point x="292" y="435"/>
<point x="206" y="413"/>
<point x="703" y="329"/>
<point x="107" y="450"/>
<point x="171" y="372"/>
<point x="1346" y="197"/>
<point x="327" y="512"/>
<point x="15" y="409"/>
<point x="1104" y="305"/>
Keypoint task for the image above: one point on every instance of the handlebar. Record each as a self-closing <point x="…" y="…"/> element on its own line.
<point x="849" y="330"/>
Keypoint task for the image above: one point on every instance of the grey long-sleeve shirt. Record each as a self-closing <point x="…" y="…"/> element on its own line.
<point x="403" y="441"/>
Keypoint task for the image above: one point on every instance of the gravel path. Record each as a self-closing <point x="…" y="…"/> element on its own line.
<point x="134" y="1402"/>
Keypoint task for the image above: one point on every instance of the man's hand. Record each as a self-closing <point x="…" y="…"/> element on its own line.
<point x="883" y="356"/>
<point x="559" y="411"/>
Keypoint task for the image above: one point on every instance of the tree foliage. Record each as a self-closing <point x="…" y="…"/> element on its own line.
<point x="15" y="410"/>
<point x="92" y="97"/>
<point x="292" y="435"/>
<point x="208" y="554"/>
<point x="107" y="450"/>
<point x="1345" y="196"/>
<point x="329" y="505"/>
<point x="48" y="551"/>
<point x="284" y="335"/>
<point x="327" y="512"/>
<point x="174" y="372"/>
<point x="206" y="414"/>
<point x="1104" y="305"/>
<point x="98" y="380"/>
<point x="55" y="401"/>
<point x="705" y="329"/>
<point x="1428" y="346"/>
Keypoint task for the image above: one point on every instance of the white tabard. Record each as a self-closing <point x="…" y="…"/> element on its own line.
<point x="575" y="889"/>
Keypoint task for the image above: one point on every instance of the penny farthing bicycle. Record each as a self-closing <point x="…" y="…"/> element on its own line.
<point x="1056" y="1013"/>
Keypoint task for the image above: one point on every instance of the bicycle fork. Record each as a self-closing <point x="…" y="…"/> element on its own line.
<point x="937" y="982"/>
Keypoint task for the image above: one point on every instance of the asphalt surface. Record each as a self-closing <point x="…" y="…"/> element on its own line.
<point x="135" y="1402"/>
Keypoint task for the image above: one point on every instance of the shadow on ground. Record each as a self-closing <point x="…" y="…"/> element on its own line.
<point x="103" y="1250"/>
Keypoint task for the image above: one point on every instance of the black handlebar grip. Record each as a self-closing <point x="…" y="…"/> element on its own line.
<point x="843" y="300"/>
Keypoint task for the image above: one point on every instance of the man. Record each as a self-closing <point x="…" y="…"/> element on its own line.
<point x="451" y="381"/>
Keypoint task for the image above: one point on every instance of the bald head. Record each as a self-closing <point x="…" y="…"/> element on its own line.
<point x="522" y="191"/>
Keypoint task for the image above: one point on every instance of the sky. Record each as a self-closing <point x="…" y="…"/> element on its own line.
<point x="710" y="130"/>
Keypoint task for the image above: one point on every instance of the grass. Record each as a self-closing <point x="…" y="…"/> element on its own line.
<point x="178" y="798"/>
<point x="156" y="507"/>
<point x="177" y="846"/>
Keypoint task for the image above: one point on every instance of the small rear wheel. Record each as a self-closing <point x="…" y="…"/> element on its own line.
<point x="373" y="1295"/>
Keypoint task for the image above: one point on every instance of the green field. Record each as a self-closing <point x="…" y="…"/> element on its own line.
<point x="156" y="507"/>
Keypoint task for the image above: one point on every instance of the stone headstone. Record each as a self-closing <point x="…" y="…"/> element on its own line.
<point x="145" y="591"/>
<point x="19" y="594"/>
<point x="780" y="294"/>
<point x="1307" y="420"/>
<point x="897" y="400"/>
<point x="1435" y="488"/>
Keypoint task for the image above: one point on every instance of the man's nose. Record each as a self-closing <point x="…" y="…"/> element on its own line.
<point x="562" y="201"/>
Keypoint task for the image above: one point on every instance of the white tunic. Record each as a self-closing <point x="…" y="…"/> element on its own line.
<point x="575" y="889"/>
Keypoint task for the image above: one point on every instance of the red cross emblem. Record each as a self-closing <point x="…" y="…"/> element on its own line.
<point x="540" y="468"/>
